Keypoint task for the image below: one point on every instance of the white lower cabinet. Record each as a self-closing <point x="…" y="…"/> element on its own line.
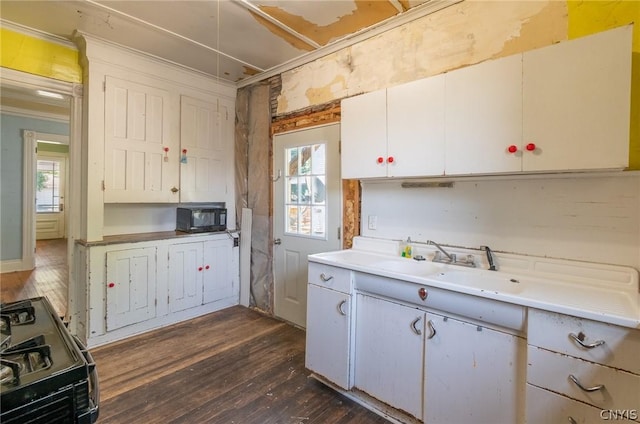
<point x="587" y="370"/>
<point x="328" y="346"/>
<point x="472" y="373"/>
<point x="199" y="273"/>
<point x="389" y="353"/>
<point x="131" y="286"/>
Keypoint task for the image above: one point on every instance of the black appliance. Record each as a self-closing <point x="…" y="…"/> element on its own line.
<point x="201" y="219"/>
<point x="46" y="374"/>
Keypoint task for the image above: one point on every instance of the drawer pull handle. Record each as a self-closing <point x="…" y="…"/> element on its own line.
<point x="324" y="278"/>
<point x="432" y="330"/>
<point x="580" y="340"/>
<point x="413" y="326"/>
<point x="586" y="389"/>
<point x="572" y="420"/>
<point x="340" y="305"/>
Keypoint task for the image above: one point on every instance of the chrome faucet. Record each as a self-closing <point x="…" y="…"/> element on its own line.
<point x="492" y="265"/>
<point x="451" y="257"/>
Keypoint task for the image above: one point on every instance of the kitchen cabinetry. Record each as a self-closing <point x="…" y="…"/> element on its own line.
<point x="329" y="322"/>
<point x="389" y="352"/>
<point x="576" y="102"/>
<point x="564" y="107"/>
<point x="395" y="133"/>
<point x="141" y="143"/>
<point x="205" y="129"/>
<point x="484" y="117"/>
<point x="159" y="151"/>
<point x="573" y="362"/>
<point x="363" y="131"/>
<point x="472" y="373"/>
<point x="199" y="273"/>
<point x="131" y="286"/>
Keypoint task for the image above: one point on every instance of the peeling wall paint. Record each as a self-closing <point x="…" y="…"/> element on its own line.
<point x="466" y="33"/>
<point x="364" y="14"/>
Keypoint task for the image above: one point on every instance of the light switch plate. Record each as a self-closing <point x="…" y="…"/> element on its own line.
<point x="373" y="222"/>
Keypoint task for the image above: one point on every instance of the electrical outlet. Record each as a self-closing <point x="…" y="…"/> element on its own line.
<point x="373" y="222"/>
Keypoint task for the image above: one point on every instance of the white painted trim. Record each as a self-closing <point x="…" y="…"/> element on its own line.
<point x="28" y="199"/>
<point x="12" y="265"/>
<point x="25" y="113"/>
<point x="384" y="26"/>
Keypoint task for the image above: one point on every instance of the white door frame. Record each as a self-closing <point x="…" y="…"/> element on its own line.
<point x="64" y="159"/>
<point x="75" y="209"/>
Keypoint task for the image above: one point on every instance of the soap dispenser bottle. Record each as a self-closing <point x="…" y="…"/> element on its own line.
<point x="408" y="249"/>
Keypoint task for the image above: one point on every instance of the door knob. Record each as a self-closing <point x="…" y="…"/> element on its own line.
<point x="277" y="241"/>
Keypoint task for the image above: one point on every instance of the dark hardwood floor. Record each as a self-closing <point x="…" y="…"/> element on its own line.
<point x="231" y="366"/>
<point x="49" y="278"/>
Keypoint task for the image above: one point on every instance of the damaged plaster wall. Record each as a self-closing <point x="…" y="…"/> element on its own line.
<point x="460" y="35"/>
<point x="253" y="185"/>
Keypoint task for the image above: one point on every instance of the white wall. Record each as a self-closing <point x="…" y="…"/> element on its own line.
<point x="592" y="218"/>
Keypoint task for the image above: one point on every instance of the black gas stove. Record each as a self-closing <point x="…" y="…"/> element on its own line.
<point x="46" y="374"/>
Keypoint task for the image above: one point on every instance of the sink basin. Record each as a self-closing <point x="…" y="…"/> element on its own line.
<point x="483" y="280"/>
<point x="409" y="267"/>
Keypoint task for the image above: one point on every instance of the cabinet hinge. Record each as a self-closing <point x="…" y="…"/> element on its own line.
<point x="104" y="86"/>
<point x="338" y="233"/>
<point x="103" y="186"/>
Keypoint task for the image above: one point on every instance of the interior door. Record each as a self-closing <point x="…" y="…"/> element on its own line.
<point x="307" y="205"/>
<point x="50" y="193"/>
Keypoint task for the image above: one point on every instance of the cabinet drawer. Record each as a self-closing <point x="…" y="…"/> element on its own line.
<point x="553" y="331"/>
<point x="330" y="276"/>
<point x="544" y="407"/>
<point x="550" y="370"/>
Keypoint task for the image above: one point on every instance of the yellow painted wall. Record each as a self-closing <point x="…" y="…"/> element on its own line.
<point x="589" y="17"/>
<point x="40" y="57"/>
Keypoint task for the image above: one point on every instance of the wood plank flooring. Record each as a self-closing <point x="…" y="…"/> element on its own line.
<point x="49" y="278"/>
<point x="231" y="366"/>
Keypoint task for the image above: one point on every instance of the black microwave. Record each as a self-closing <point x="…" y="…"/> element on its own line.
<point x="199" y="219"/>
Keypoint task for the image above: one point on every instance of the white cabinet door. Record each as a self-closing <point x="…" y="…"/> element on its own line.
<point x="472" y="374"/>
<point x="415" y="128"/>
<point x="328" y="351"/>
<point x="186" y="276"/>
<point x="363" y="130"/>
<point x="576" y="103"/>
<point x="217" y="261"/>
<point x="484" y="117"/>
<point x="131" y="286"/>
<point x="389" y="353"/>
<point x="204" y="134"/>
<point x="141" y="161"/>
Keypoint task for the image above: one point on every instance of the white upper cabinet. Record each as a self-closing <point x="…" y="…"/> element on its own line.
<point x="564" y="107"/>
<point x="140" y="164"/>
<point x="364" y="135"/>
<point x="204" y="134"/>
<point x="576" y="102"/>
<point x="484" y="117"/>
<point x="415" y="128"/>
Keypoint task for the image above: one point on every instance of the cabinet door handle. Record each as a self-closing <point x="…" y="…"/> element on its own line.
<point x="413" y="326"/>
<point x="580" y="340"/>
<point x="572" y="420"/>
<point x="586" y="389"/>
<point x="432" y="330"/>
<point x="324" y="278"/>
<point x="340" y="305"/>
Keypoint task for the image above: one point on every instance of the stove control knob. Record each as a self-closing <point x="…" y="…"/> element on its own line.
<point x="112" y="285"/>
<point x="422" y="292"/>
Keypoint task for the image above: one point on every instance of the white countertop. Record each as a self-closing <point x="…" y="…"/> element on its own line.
<point x="601" y="292"/>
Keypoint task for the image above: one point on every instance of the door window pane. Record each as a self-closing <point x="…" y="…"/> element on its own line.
<point x="305" y="188"/>
<point x="48" y="186"/>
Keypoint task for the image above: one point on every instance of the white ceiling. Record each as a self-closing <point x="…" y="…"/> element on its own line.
<point x="239" y="41"/>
